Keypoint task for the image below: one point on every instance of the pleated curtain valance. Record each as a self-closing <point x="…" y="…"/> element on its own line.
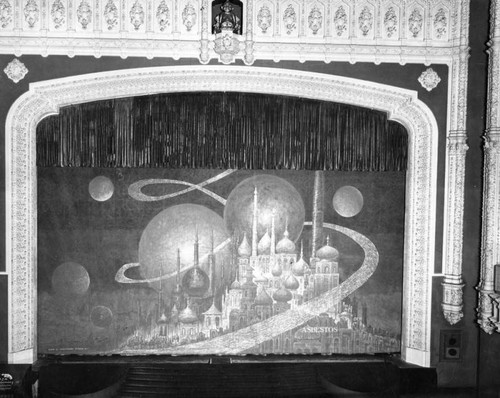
<point x="222" y="130"/>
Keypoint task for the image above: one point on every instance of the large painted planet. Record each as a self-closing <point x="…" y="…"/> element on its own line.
<point x="274" y="195"/>
<point x="70" y="279"/>
<point x="176" y="228"/>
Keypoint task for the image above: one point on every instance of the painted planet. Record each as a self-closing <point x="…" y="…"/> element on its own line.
<point x="101" y="188"/>
<point x="274" y="194"/>
<point x="348" y="201"/>
<point x="101" y="316"/>
<point x="176" y="228"/>
<point x="70" y="279"/>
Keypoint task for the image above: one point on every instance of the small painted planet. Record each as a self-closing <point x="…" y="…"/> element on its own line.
<point x="274" y="194"/>
<point x="101" y="188"/>
<point x="70" y="279"/>
<point x="176" y="228"/>
<point x="348" y="201"/>
<point x="101" y="316"/>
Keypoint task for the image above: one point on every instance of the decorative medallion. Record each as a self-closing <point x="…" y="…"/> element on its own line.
<point x="57" y="12"/>
<point x="340" y="21"/>
<point x="111" y="14"/>
<point x="84" y="14"/>
<point x="290" y="19"/>
<point x="31" y="13"/>
<point x="137" y="15"/>
<point x="415" y="22"/>
<point x="365" y="21"/>
<point x="440" y="23"/>
<point x="315" y="20"/>
<point x="163" y="15"/>
<point x="429" y="79"/>
<point x="227" y="46"/>
<point x="390" y="22"/>
<point x="5" y="13"/>
<point x="264" y="18"/>
<point x="189" y="16"/>
<point x="15" y="70"/>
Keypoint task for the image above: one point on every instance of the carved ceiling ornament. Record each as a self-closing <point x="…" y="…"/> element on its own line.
<point x="84" y="14"/>
<point x="45" y="98"/>
<point x="31" y="13"/>
<point x="429" y="79"/>
<point x="15" y="70"/>
<point x="111" y="14"/>
<point x="5" y="13"/>
<point x="290" y="19"/>
<point x="264" y="18"/>
<point x="58" y="13"/>
<point x="488" y="311"/>
<point x="163" y="15"/>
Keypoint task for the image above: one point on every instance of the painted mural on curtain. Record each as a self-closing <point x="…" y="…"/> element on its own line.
<point x="195" y="262"/>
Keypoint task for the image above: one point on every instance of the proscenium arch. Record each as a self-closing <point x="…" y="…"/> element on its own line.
<point x="45" y="98"/>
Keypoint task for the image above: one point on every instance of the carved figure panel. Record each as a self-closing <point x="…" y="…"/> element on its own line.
<point x="189" y="17"/>
<point x="137" y="15"/>
<point x="290" y="19"/>
<point x="365" y="21"/>
<point x="440" y="23"/>
<point x="84" y="15"/>
<point x="5" y="13"/>
<point x="415" y="22"/>
<point x="391" y="22"/>
<point x="163" y="16"/>
<point x="58" y="14"/>
<point x="264" y="18"/>
<point x="111" y="16"/>
<point x="31" y="13"/>
<point x="316" y="20"/>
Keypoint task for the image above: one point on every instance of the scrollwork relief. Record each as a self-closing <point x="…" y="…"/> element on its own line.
<point x="163" y="15"/>
<point x="390" y="22"/>
<point x="440" y="23"/>
<point x="264" y="18"/>
<point x="290" y="19"/>
<point x="365" y="21"/>
<point x="415" y="22"/>
<point x="315" y="20"/>
<point x="58" y="13"/>
<point x="137" y="15"/>
<point x="111" y="14"/>
<point x="340" y="21"/>
<point x="15" y="70"/>
<point x="189" y="16"/>
<point x="31" y="13"/>
<point x="5" y="13"/>
<point x="84" y="14"/>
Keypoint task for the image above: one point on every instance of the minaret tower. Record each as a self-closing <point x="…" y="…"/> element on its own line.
<point x="318" y="211"/>
<point x="273" y="234"/>
<point x="255" y="238"/>
<point x="211" y="265"/>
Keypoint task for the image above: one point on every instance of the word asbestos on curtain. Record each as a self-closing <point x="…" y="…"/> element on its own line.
<point x="222" y="130"/>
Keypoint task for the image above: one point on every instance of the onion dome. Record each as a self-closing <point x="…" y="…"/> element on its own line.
<point x="163" y="318"/>
<point x="263" y="298"/>
<point x="285" y="245"/>
<point x="276" y="270"/>
<point x="236" y="284"/>
<point x="291" y="283"/>
<point x="300" y="267"/>
<point x="187" y="315"/>
<point x="264" y="246"/>
<point x="260" y="278"/>
<point x="213" y="310"/>
<point x="282" y="295"/>
<point x="244" y="250"/>
<point x="328" y="252"/>
<point x="195" y="282"/>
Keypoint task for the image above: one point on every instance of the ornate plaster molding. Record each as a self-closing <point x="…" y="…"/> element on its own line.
<point x="429" y="79"/>
<point x="456" y="150"/>
<point x="15" y="70"/>
<point x="326" y="30"/>
<point x="46" y="97"/>
<point x="488" y="316"/>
